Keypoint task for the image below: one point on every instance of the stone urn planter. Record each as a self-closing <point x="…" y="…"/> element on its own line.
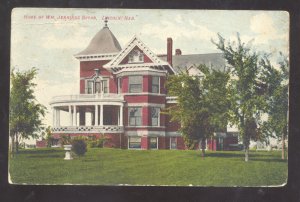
<point x="68" y="155"/>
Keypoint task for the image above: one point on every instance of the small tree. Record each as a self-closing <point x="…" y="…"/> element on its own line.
<point x="199" y="111"/>
<point x="245" y="89"/>
<point x="25" y="114"/>
<point x="277" y="98"/>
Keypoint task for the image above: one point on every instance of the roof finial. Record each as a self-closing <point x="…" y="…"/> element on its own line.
<point x="105" y="21"/>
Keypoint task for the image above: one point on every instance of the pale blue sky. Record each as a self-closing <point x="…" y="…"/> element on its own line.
<point x="49" y="44"/>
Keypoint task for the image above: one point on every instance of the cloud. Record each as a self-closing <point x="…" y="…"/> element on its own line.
<point x="66" y="36"/>
<point x="178" y="30"/>
<point x="263" y="26"/>
<point x="179" y="18"/>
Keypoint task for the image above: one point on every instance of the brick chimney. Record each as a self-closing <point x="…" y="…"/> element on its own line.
<point x="169" y="50"/>
<point x="177" y="52"/>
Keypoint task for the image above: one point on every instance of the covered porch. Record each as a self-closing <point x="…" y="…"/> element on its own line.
<point x="99" y="115"/>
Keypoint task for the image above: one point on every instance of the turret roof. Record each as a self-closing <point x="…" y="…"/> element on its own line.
<point x="102" y="43"/>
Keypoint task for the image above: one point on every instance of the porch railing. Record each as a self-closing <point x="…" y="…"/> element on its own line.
<point x="86" y="129"/>
<point x="78" y="97"/>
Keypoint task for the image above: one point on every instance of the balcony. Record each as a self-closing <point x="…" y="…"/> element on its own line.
<point x="109" y="97"/>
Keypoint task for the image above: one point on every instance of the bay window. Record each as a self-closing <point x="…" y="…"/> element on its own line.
<point x="135" y="84"/>
<point x="154" y="116"/>
<point x="135" y="116"/>
<point x="155" y="84"/>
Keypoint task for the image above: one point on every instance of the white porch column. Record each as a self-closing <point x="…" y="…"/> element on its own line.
<point x="70" y="115"/>
<point x="53" y="117"/>
<point x="121" y="116"/>
<point x="57" y="117"/>
<point x="101" y="115"/>
<point x="96" y="115"/>
<point x="74" y="116"/>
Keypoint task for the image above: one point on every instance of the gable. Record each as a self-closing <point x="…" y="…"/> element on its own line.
<point x="194" y="71"/>
<point x="133" y="53"/>
<point x="135" y="44"/>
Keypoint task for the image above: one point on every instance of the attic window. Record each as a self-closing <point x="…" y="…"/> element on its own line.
<point x="136" y="56"/>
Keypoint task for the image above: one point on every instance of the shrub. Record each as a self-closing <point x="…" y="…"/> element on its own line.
<point x="79" y="146"/>
<point x="96" y="143"/>
<point x="65" y="140"/>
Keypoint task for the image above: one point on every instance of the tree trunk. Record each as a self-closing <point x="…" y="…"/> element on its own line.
<point x="246" y="154"/>
<point x="283" y="146"/>
<point x="12" y="146"/>
<point x="202" y="144"/>
<point x="246" y="141"/>
<point x="246" y="144"/>
<point x="17" y="144"/>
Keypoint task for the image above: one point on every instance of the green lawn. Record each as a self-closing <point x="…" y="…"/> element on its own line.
<point x="148" y="167"/>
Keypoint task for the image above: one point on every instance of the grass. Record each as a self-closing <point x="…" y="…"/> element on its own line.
<point x="148" y="167"/>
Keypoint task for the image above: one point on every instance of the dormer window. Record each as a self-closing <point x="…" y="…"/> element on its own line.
<point x="136" y="56"/>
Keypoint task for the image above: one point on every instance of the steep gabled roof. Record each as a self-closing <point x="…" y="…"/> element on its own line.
<point x="136" y="42"/>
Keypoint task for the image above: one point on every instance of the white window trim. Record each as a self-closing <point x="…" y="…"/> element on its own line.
<point x="132" y="55"/>
<point x="158" y="118"/>
<point x="129" y="141"/>
<point x="156" y="143"/>
<point x="158" y="84"/>
<point x="93" y="86"/>
<point x="128" y="90"/>
<point x="171" y="141"/>
<point x="119" y="89"/>
<point x="143" y="93"/>
<point x="86" y="86"/>
<point x="129" y="116"/>
<point x="102" y="89"/>
<point x="145" y="127"/>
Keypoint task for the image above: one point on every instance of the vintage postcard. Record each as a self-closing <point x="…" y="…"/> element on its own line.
<point x="149" y="97"/>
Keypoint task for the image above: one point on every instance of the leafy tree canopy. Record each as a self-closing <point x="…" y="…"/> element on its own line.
<point x="201" y="103"/>
<point x="25" y="113"/>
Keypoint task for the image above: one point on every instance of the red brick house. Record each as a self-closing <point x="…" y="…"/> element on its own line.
<point x="122" y="92"/>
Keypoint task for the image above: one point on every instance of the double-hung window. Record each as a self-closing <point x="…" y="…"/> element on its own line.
<point x="97" y="85"/>
<point x="155" y="116"/>
<point x="153" y="142"/>
<point x="155" y="84"/>
<point x="90" y="85"/>
<point x="104" y="86"/>
<point x="135" y="116"/>
<point x="135" y="84"/>
<point x="134" y="142"/>
<point x="173" y="143"/>
<point x="119" y="85"/>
